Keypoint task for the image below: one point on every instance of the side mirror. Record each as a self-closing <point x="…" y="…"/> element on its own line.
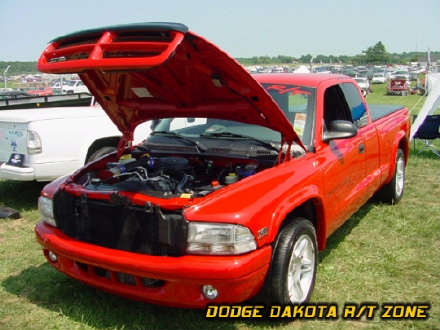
<point x="340" y="129"/>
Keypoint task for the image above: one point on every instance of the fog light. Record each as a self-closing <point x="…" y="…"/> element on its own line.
<point x="210" y="292"/>
<point x="52" y="256"/>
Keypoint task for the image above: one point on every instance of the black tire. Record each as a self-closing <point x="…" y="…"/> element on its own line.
<point x="99" y="153"/>
<point x="293" y="271"/>
<point x="392" y="192"/>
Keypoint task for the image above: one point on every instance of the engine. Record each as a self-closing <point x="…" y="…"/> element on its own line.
<point x="169" y="176"/>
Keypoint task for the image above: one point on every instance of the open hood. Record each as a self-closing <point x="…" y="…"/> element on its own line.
<point x="148" y="71"/>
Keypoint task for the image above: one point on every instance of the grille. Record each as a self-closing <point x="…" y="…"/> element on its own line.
<point x="118" y="225"/>
<point x="118" y="277"/>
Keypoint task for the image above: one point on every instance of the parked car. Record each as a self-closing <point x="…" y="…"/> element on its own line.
<point x="379" y="78"/>
<point x="363" y="83"/>
<point x="42" y="91"/>
<point x="398" y="87"/>
<point x="401" y="74"/>
<point x="59" y="86"/>
<point x="234" y="205"/>
<point x="366" y="73"/>
<point x="75" y="86"/>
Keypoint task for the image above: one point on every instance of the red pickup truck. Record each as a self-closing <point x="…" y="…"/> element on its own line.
<point x="240" y="184"/>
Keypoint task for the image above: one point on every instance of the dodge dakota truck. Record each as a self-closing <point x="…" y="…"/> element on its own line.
<point x="234" y="206"/>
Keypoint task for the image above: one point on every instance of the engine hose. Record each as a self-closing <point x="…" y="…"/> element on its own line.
<point x="180" y="187"/>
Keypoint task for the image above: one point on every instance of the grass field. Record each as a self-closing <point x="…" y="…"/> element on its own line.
<point x="382" y="254"/>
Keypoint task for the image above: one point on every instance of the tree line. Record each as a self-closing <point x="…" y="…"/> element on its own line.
<point x="18" y="68"/>
<point x="375" y="54"/>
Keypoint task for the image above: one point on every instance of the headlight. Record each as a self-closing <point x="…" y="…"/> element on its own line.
<point x="45" y="207"/>
<point x="218" y="238"/>
<point x="33" y="143"/>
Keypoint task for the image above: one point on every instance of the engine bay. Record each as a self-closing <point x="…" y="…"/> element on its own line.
<point x="170" y="175"/>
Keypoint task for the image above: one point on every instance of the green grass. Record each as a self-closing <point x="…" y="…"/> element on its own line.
<point x="382" y="254"/>
<point x="412" y="102"/>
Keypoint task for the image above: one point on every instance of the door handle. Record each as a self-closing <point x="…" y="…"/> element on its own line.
<point x="361" y="148"/>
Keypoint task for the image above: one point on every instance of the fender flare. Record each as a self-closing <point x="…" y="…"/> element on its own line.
<point x="310" y="195"/>
<point x="401" y="141"/>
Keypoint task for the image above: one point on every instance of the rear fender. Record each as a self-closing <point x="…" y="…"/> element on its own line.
<point x="401" y="142"/>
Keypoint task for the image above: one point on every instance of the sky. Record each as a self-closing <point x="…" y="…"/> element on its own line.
<point x="243" y="28"/>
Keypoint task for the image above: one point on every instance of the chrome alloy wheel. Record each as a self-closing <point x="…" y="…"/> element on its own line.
<point x="400" y="176"/>
<point x="301" y="269"/>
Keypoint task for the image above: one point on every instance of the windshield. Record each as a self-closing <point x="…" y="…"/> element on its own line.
<point x="297" y="102"/>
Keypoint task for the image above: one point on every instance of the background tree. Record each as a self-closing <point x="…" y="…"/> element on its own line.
<point x="377" y="54"/>
<point x="305" y="58"/>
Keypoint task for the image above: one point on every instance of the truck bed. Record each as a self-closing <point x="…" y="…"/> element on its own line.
<point x="378" y="111"/>
<point x="49" y="101"/>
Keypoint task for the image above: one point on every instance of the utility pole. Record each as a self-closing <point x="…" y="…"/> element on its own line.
<point x="4" y="75"/>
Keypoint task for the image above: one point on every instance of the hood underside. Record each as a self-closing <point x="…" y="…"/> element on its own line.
<point x="147" y="71"/>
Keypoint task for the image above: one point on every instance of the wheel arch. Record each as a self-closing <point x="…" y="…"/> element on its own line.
<point x="404" y="145"/>
<point x="402" y="142"/>
<point x="311" y="209"/>
<point x="110" y="141"/>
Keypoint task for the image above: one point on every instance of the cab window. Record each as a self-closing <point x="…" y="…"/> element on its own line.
<point x="356" y="104"/>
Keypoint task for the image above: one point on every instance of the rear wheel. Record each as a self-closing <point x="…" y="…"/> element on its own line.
<point x="392" y="192"/>
<point x="293" y="271"/>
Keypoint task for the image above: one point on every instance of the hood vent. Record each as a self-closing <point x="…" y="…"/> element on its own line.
<point x="112" y="48"/>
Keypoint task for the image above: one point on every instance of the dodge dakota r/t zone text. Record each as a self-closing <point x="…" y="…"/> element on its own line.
<point x="232" y="205"/>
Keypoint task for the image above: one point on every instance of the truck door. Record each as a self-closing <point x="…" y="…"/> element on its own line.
<point x="359" y="113"/>
<point x="344" y="165"/>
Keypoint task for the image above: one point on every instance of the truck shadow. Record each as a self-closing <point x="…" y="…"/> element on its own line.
<point x="342" y="232"/>
<point x="44" y="286"/>
<point x="21" y="195"/>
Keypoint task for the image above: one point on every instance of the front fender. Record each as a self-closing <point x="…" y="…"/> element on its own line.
<point x="307" y="196"/>
<point x="51" y="188"/>
<point x="262" y="202"/>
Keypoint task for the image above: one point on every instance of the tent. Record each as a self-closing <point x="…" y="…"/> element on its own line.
<point x="432" y="101"/>
<point x="302" y="69"/>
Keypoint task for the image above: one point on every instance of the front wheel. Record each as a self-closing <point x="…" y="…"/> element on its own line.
<point x="392" y="192"/>
<point x="293" y="272"/>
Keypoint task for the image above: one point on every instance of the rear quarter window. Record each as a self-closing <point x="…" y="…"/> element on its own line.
<point x="355" y="103"/>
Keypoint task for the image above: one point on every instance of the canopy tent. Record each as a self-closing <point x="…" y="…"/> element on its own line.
<point x="302" y="69"/>
<point x="432" y="101"/>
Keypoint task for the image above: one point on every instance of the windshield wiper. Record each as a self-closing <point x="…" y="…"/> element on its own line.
<point x="229" y="135"/>
<point x="200" y="147"/>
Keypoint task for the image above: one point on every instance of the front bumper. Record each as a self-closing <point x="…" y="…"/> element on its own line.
<point x="171" y="281"/>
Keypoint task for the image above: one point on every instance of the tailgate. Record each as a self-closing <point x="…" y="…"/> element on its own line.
<point x="13" y="139"/>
